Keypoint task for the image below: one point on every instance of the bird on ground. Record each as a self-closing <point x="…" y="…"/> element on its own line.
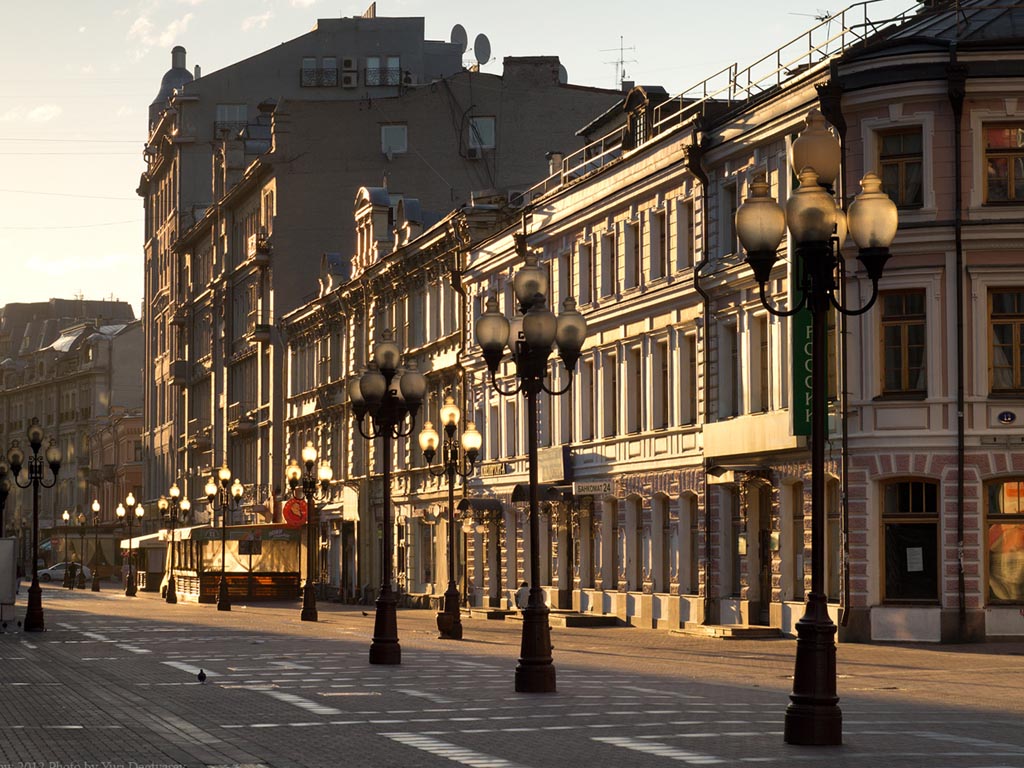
<point x="365" y="613"/>
<point x="201" y="677"/>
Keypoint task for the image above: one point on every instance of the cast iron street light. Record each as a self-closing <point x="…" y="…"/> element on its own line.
<point x="16" y="457"/>
<point x="449" y="620"/>
<point x="68" y="583"/>
<point x="295" y="476"/>
<point x="536" y="329"/>
<point x="81" y="550"/>
<point x="388" y="395"/>
<point x="171" y="508"/>
<point x="95" y="545"/>
<point x="818" y="228"/>
<point x="215" y="492"/>
<point x="130" y="588"/>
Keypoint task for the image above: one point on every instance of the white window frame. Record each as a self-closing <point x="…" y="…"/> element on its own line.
<point x="392" y="140"/>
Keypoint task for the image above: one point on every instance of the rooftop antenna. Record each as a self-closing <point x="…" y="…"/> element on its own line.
<point x="621" y="62"/>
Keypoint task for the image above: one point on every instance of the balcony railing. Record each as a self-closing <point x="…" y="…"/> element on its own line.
<point x="379" y="76"/>
<point x="318" y="77"/>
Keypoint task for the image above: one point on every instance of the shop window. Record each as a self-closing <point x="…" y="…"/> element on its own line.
<point x="903" y="343"/>
<point x="911" y="530"/>
<point x="1004" y="510"/>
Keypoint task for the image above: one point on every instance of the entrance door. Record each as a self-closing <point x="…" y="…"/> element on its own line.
<point x="764" y="555"/>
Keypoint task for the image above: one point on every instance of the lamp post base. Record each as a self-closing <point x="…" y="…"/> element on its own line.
<point x="172" y="591"/>
<point x="131" y="589"/>
<point x="34" y="609"/>
<point x="385" y="648"/>
<point x="81" y="580"/>
<point x="309" y="612"/>
<point x="95" y="581"/>
<point x="813" y="717"/>
<point x="223" y="598"/>
<point x="449" y="621"/>
<point x="535" y="672"/>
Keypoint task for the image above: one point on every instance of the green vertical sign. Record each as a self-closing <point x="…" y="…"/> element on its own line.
<point x="800" y="324"/>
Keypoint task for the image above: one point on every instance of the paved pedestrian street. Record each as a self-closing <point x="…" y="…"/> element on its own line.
<point x="113" y="682"/>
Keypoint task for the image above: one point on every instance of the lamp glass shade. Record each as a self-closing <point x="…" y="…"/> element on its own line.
<point x="120" y="511"/>
<point x="96" y="506"/>
<point x="428" y="437"/>
<point x="481" y="528"/>
<point x="386" y="353"/>
<point x="210" y="488"/>
<point x="237" y="489"/>
<point x="873" y="217"/>
<point x="760" y="221"/>
<point x="530" y="280"/>
<point x="324" y="473"/>
<point x="129" y="500"/>
<point x="140" y="511"/>
<point x="224" y="475"/>
<point x="810" y="210"/>
<point x="373" y="385"/>
<point x="450" y="413"/>
<point x="16" y="457"/>
<point x="413" y="385"/>
<point x="492" y="328"/>
<point x="174" y="491"/>
<point x="293" y="472"/>
<point x="539" y="325"/>
<point x="185" y="505"/>
<point x="818" y="148"/>
<point x="571" y="328"/>
<point x="53" y="455"/>
<point x="161" y="504"/>
<point x="355" y="392"/>
<point x="308" y="453"/>
<point x="35" y="435"/>
<point x="472" y="440"/>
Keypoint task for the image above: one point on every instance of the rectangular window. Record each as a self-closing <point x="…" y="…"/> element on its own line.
<point x="230" y="118"/>
<point x="764" y="362"/>
<point x="910" y="516"/>
<point x="663" y="386"/>
<point x="1004" y="163"/>
<point x="637" y="396"/>
<point x="394" y="139"/>
<point x="482" y="132"/>
<point x="611" y="394"/>
<point x="900" y="158"/>
<point x="587" y="400"/>
<point x="586" y="262"/>
<point x="634" y="233"/>
<point x="727" y="225"/>
<point x="1006" y="320"/>
<point x="659" y="244"/>
<point x="1004" y="510"/>
<point x="609" y="264"/>
<point x="903" y="347"/>
<point x="729" y="373"/>
<point x="685" y="247"/>
<point x="690" y="414"/>
<point x="307" y="75"/>
<point x="565" y="276"/>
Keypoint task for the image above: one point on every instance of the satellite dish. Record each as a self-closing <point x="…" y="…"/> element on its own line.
<point x="459" y="37"/>
<point x="563" y="75"/>
<point x="482" y="49"/>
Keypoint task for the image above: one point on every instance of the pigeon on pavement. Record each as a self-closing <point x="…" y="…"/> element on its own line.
<point x="201" y="677"/>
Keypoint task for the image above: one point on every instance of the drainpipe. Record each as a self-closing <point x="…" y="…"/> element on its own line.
<point x="956" y="74"/>
<point x="693" y="158"/>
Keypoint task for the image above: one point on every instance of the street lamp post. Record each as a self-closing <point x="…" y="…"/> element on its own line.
<point x="389" y="396"/>
<point x="16" y="458"/>
<point x="215" y="492"/>
<point x="81" y="550"/>
<point x="308" y="479"/>
<point x="68" y="582"/>
<point x="536" y="329"/>
<point x="171" y="507"/>
<point x="131" y="588"/>
<point x="818" y="228"/>
<point x="449" y="620"/>
<point x="95" y="545"/>
<point x="5" y="489"/>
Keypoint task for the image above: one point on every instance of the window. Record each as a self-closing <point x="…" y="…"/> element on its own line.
<point x="1004" y="509"/>
<point x="662" y="388"/>
<point x="388" y="73"/>
<point x="633" y="247"/>
<point x="690" y="346"/>
<point x="659" y="243"/>
<point x="911" y="524"/>
<point x="587" y="400"/>
<point x="729" y="373"/>
<point x="762" y="350"/>
<point x="230" y="117"/>
<point x="481" y="132"/>
<point x="394" y="139"/>
<point x="1006" y="319"/>
<point x="609" y="264"/>
<point x="1004" y="163"/>
<point x="727" y="226"/>
<point x="611" y="394"/>
<point x="903" y="350"/>
<point x="637" y="396"/>
<point x="587" y="272"/>
<point x="900" y="159"/>
<point x="684" y="234"/>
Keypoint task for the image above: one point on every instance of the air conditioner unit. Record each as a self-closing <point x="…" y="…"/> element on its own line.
<point x="517" y="198"/>
<point x="349" y="79"/>
<point x="474" y="153"/>
<point x="349" y="63"/>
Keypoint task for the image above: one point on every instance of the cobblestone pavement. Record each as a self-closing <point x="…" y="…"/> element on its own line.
<point x="112" y="682"/>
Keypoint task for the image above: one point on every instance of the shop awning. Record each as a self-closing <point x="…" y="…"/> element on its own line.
<point x="545" y="492"/>
<point x="480" y="505"/>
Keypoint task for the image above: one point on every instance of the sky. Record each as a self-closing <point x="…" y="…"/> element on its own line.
<point x="77" y="77"/>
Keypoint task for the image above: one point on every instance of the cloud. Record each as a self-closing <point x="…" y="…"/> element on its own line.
<point x="125" y="111"/>
<point x="41" y="114"/>
<point x="145" y="35"/>
<point x="254" y="22"/>
<point x="302" y="3"/>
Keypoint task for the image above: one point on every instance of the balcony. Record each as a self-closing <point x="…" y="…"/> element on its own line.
<point x="379" y="76"/>
<point x="179" y="317"/>
<point x="240" y="420"/>
<point x="177" y="372"/>
<point x="200" y="435"/>
<point x="258" y="249"/>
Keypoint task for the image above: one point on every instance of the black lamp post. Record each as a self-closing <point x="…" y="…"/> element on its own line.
<point x="68" y="582"/>
<point x="171" y="507"/>
<point x="308" y="479"/>
<point x="449" y="620"/>
<point x="388" y="395"/>
<point x="81" y="550"/>
<point x="131" y="588"/>
<point x="16" y="458"/>
<point x="818" y="228"/>
<point x="95" y="545"/>
<point x="5" y="489"/>
<point x="220" y="492"/>
<point x="536" y="329"/>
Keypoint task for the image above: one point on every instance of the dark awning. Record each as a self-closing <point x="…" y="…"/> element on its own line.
<point x="545" y="492"/>
<point x="480" y="505"/>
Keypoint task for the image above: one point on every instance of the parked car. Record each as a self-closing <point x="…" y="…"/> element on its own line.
<point x="56" y="572"/>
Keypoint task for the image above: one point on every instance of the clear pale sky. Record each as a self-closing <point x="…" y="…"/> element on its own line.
<point x="77" y="77"/>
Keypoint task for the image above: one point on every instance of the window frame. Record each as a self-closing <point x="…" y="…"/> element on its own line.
<point x="901" y="160"/>
<point x="475" y="139"/>
<point x="385" y="147"/>
<point x="904" y="321"/>
<point x="1011" y="154"/>
<point x="905" y="518"/>
<point x="1016" y="519"/>
<point x="1017" y="360"/>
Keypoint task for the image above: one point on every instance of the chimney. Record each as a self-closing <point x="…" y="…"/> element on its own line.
<point x="198" y="73"/>
<point x="178" y="57"/>
<point x="554" y="162"/>
<point x="627" y="86"/>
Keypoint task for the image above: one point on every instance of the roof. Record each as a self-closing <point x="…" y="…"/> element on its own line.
<point x="967" y="21"/>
